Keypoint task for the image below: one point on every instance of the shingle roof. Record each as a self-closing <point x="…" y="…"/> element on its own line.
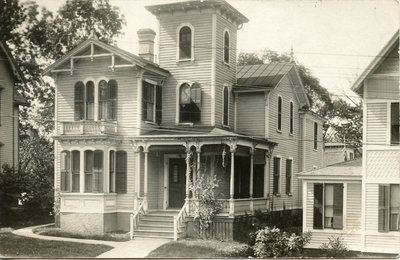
<point x="266" y="75"/>
<point x="349" y="169"/>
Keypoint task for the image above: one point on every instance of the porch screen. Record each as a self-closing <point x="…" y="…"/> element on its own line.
<point x="277" y="172"/>
<point x="121" y="169"/>
<point x="395" y="123"/>
<point x="318" y="202"/>
<point x="65" y="169"/>
<point x="75" y="170"/>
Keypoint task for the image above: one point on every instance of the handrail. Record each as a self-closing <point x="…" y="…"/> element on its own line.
<point x="134" y="218"/>
<point x="178" y="220"/>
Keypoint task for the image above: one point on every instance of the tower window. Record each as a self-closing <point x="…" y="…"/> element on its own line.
<point x="189" y="103"/>
<point x="185" y="43"/>
<point x="226" y="47"/>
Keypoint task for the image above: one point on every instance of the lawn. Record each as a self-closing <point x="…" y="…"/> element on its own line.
<point x="200" y="249"/>
<point x="17" y="246"/>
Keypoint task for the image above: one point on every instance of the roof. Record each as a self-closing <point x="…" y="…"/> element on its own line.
<point x="340" y="171"/>
<point x="199" y="4"/>
<point x="139" y="61"/>
<point x="265" y="75"/>
<point x="393" y="41"/>
<point x="15" y="68"/>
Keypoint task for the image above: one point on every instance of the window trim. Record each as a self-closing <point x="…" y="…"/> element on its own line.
<point x="178" y="59"/>
<point x="229" y="46"/>
<point x="279" y="113"/>
<point x="229" y="88"/>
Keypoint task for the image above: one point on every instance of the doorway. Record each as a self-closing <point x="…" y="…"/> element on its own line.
<point x="177" y="182"/>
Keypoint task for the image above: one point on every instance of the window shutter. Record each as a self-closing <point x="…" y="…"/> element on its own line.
<point x="112" y="100"/>
<point x="121" y="169"/>
<point x="195" y="93"/>
<point x="158" y="104"/>
<point x="89" y="100"/>
<point x="383" y="207"/>
<point x="318" y="205"/>
<point x="315" y="135"/>
<point x="338" y="206"/>
<point x="78" y="98"/>
<point x="75" y="170"/>
<point x="144" y="100"/>
<point x="98" y="171"/>
<point x="226" y="106"/>
<point x="64" y="170"/>
<point x="395" y="124"/>
<point x="279" y="113"/>
<point x="394" y="207"/>
<point x="88" y="171"/>
<point x="288" y="175"/>
<point x="276" y="175"/>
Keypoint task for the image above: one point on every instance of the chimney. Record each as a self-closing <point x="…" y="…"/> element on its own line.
<point x="146" y="43"/>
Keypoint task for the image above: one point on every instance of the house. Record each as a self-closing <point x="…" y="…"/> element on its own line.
<point x="338" y="152"/>
<point x="131" y="134"/>
<point x="362" y="204"/>
<point x="10" y="100"/>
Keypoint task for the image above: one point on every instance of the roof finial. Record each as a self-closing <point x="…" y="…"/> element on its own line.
<point x="93" y="34"/>
<point x="291" y="54"/>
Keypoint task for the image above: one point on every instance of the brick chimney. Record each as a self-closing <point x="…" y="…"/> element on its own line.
<point x="146" y="43"/>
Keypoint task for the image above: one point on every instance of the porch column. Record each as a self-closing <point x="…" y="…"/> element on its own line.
<point x="137" y="177"/>
<point x="266" y="174"/>
<point x="198" y="152"/>
<point x="251" y="179"/>
<point x="82" y="171"/>
<point x="146" y="163"/>
<point x="188" y="154"/>
<point x="232" y="183"/>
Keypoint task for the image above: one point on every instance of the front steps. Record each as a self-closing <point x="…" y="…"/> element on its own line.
<point x="158" y="224"/>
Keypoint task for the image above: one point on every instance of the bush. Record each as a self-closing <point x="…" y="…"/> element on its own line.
<point x="336" y="247"/>
<point x="271" y="242"/>
<point x="236" y="250"/>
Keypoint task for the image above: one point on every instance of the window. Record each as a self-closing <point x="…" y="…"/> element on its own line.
<point x="108" y="100"/>
<point x="279" y="113"/>
<point x="151" y="102"/>
<point x="226" y="47"/>
<point x="277" y="173"/>
<point x="121" y="169"/>
<point x="70" y="171"/>
<point x="185" y="43"/>
<point x="315" y="136"/>
<point x="395" y="124"/>
<point x="112" y="171"/>
<point x="79" y="100"/>
<point x="189" y="103"/>
<point x="90" y="100"/>
<point x="94" y="171"/>
<point x="226" y="107"/>
<point x="328" y="206"/>
<point x="291" y="117"/>
<point x="289" y="163"/>
<point x="389" y="208"/>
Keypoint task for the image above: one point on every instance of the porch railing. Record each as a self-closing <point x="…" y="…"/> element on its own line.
<point x="178" y="220"/>
<point x="88" y="127"/>
<point x="135" y="217"/>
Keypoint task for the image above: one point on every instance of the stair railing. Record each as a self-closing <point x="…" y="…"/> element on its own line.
<point x="134" y="218"/>
<point x="178" y="220"/>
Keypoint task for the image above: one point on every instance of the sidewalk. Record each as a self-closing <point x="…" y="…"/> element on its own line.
<point x="137" y="248"/>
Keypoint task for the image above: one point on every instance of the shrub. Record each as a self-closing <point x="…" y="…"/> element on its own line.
<point x="336" y="247"/>
<point x="271" y="242"/>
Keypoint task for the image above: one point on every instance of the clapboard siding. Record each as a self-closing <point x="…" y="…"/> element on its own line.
<point x="371" y="207"/>
<point x="198" y="70"/>
<point x="352" y="241"/>
<point x="225" y="74"/>
<point x="353" y="207"/>
<point x="313" y="157"/>
<point x="383" y="243"/>
<point x="382" y="88"/>
<point x="375" y="123"/>
<point x="390" y="64"/>
<point x="251" y="114"/>
<point x="383" y="164"/>
<point x="97" y="70"/>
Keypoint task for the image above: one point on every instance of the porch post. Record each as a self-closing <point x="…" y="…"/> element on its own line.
<point x="137" y="177"/>
<point x="187" y="171"/>
<point x="251" y="179"/>
<point x="232" y="182"/>
<point x="146" y="163"/>
<point x="266" y="174"/>
<point x="198" y="152"/>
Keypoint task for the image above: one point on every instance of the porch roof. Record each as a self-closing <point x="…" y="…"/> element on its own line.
<point x="200" y="133"/>
<point x="349" y="170"/>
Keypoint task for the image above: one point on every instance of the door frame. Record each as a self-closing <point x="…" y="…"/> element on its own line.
<point x="166" y="177"/>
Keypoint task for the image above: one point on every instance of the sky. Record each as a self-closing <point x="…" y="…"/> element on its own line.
<point x="335" y="39"/>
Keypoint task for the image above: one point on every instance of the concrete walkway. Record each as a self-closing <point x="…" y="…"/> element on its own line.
<point x="137" y="248"/>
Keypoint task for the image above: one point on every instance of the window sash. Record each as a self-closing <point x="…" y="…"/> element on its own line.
<point x="79" y="97"/>
<point x="112" y="171"/>
<point x="94" y="171"/>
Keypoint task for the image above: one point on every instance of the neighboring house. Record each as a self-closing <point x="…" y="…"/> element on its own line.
<point x="338" y="152"/>
<point x="10" y="100"/>
<point x="362" y="204"/>
<point x="132" y="134"/>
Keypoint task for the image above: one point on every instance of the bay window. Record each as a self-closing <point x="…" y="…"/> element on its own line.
<point x="70" y="171"/>
<point x="65" y="170"/>
<point x="94" y="171"/>
<point x="328" y="206"/>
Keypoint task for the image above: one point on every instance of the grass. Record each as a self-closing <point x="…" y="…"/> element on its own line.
<point x="17" y="246"/>
<point x="57" y="232"/>
<point x="200" y="249"/>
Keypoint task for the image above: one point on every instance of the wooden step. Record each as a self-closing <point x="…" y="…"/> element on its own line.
<point x="154" y="233"/>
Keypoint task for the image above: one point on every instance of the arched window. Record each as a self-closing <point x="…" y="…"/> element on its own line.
<point x="185" y="43"/>
<point x="94" y="171"/>
<point x="103" y="99"/>
<point x="226" y="107"/>
<point x="79" y="98"/>
<point x="90" y="100"/>
<point x="189" y="102"/>
<point x="226" y="47"/>
<point x="291" y="117"/>
<point x="279" y="113"/>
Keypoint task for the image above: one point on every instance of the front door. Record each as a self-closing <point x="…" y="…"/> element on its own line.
<point x="177" y="182"/>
